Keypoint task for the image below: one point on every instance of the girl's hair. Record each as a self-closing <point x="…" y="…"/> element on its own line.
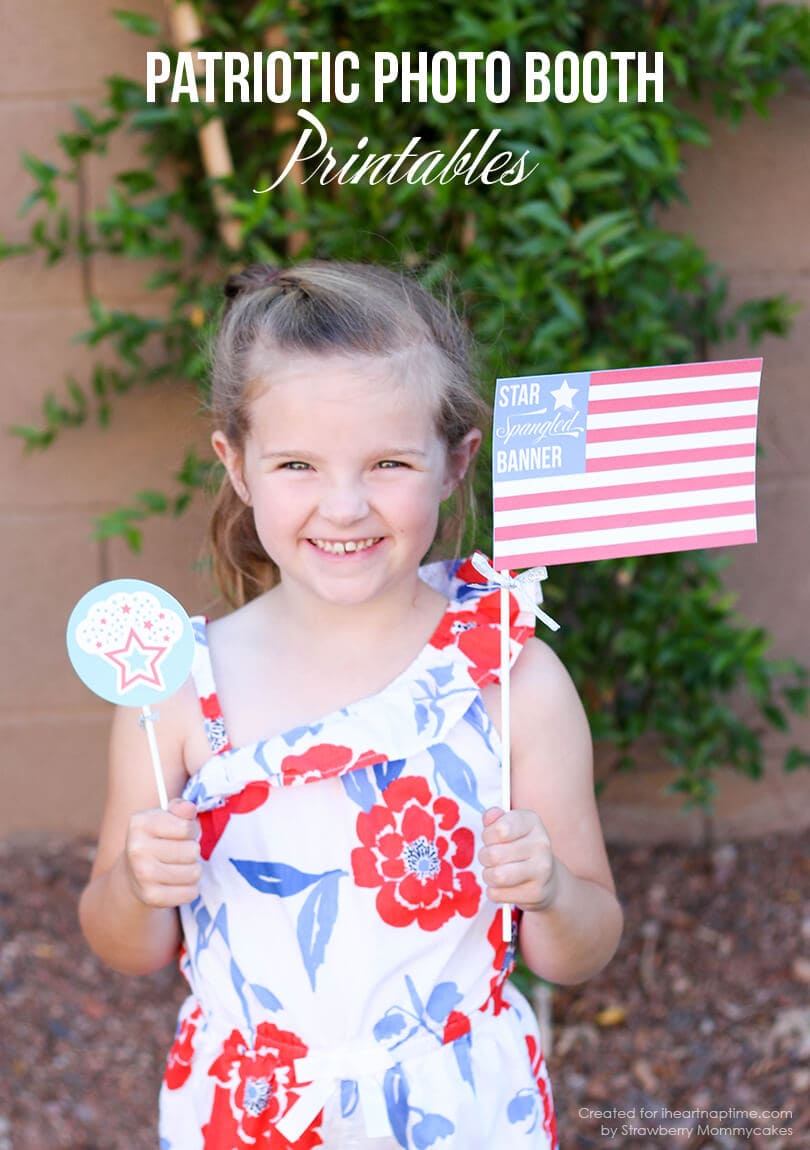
<point x="328" y="308"/>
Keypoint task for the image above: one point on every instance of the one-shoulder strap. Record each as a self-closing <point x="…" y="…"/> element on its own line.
<point x="202" y="673"/>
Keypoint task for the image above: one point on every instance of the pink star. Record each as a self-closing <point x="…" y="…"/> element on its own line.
<point x="137" y="662"/>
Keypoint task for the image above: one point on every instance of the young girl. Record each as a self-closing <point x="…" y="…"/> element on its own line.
<point x="334" y="844"/>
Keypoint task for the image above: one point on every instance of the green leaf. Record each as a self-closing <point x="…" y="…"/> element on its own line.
<point x="775" y="716"/>
<point x="137" y="22"/>
<point x="795" y="758"/>
<point x="154" y="501"/>
<point x="34" y="437"/>
<point x="41" y="171"/>
<point x="603" y="229"/>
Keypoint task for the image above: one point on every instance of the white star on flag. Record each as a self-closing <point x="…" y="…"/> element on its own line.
<point x="564" y="395"/>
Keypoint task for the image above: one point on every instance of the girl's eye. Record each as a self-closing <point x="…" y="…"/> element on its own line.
<point x="391" y="463"/>
<point x="294" y="465"/>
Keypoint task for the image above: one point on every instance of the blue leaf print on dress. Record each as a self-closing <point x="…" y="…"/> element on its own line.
<point x="206" y="929"/>
<point x="359" y="788"/>
<point x="401" y="1023"/>
<point x="462" y="1048"/>
<point x="196" y="792"/>
<point x="238" y="980"/>
<point x="442" y="675"/>
<point x="457" y="774"/>
<point x="390" y="1025"/>
<point x="523" y="1106"/>
<point x="266" y="997"/>
<point x="443" y="998"/>
<point x="276" y="877"/>
<point x="468" y="591"/>
<point x="429" y="1128"/>
<point x="414" y="993"/>
<point x="395" y="1089"/>
<point x="421" y="716"/>
<point x="291" y="737"/>
<point x="203" y="929"/>
<point x="435" y="700"/>
<point x="316" y="922"/>
<point x="349" y="1096"/>
<point x="259" y="758"/>
<point x="317" y="916"/>
<point x="478" y="718"/>
<point x="385" y="773"/>
<point x="221" y="922"/>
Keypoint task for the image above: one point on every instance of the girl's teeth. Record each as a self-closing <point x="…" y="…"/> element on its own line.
<point x="340" y="548"/>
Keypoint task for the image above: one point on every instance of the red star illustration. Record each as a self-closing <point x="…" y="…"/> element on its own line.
<point x="137" y="663"/>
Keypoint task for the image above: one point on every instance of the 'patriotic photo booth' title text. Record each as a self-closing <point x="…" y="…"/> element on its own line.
<point x="442" y="77"/>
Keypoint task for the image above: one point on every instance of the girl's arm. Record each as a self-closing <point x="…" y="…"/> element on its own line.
<point x="147" y="863"/>
<point x="547" y="854"/>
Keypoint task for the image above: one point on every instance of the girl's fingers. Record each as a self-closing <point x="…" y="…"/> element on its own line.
<point x="506" y="826"/>
<point x="172" y="896"/>
<point x="519" y="850"/>
<point x="510" y="874"/>
<point x="183" y="809"/>
<point x="185" y="875"/>
<point x="163" y="825"/>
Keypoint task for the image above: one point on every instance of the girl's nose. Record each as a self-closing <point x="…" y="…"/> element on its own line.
<point x="343" y="503"/>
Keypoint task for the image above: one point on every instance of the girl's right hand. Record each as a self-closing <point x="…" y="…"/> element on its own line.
<point x="162" y="855"/>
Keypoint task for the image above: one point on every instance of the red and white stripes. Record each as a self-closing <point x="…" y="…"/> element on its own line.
<point x="669" y="466"/>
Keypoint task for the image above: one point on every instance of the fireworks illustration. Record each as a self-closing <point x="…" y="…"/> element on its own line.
<point x="133" y="632"/>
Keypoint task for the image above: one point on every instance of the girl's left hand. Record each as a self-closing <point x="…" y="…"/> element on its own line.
<point x="519" y="864"/>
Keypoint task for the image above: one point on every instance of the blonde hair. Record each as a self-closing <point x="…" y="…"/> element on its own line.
<point x="325" y="307"/>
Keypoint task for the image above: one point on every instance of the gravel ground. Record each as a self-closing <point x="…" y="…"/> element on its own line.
<point x="705" y="1008"/>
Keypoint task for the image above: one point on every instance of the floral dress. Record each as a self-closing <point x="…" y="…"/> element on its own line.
<point x="348" y="979"/>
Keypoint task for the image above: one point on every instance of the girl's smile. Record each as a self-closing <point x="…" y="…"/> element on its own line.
<point x="344" y="547"/>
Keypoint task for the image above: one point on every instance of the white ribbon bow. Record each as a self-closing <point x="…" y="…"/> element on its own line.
<point x="515" y="582"/>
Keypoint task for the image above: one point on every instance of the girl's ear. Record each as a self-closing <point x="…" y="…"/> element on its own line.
<point x="233" y="464"/>
<point x="459" y="460"/>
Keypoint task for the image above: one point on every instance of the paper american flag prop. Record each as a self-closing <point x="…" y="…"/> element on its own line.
<point x="604" y="464"/>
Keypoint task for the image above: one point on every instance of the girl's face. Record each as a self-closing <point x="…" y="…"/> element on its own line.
<point x="345" y="472"/>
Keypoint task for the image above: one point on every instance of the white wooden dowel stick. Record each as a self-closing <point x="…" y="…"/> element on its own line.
<point x="506" y="763"/>
<point x="148" y="724"/>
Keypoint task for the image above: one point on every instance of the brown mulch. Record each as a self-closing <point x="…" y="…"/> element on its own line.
<point x="705" y="1008"/>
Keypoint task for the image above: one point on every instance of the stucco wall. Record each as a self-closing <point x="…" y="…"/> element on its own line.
<point x="54" y="732"/>
<point x="749" y="205"/>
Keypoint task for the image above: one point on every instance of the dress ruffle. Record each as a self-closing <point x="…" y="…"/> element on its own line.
<point x="409" y="715"/>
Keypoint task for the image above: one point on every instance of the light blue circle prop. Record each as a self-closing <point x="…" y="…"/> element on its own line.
<point x="130" y="642"/>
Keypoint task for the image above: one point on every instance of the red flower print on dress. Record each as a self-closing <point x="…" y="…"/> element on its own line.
<point x="468" y="573"/>
<point x="456" y="1025"/>
<point x="214" y="822"/>
<point x="178" y="1063"/>
<point x="324" y="761"/>
<point x="210" y="706"/>
<point x="476" y="633"/>
<point x="255" y="1087"/>
<point x="417" y="854"/>
<point x="214" y="723"/>
<point x="540" y="1075"/>
<point x="503" y="963"/>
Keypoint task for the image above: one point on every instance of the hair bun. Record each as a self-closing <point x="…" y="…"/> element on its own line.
<point x="252" y="278"/>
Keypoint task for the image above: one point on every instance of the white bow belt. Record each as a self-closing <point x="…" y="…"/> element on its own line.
<point x="322" y="1071"/>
